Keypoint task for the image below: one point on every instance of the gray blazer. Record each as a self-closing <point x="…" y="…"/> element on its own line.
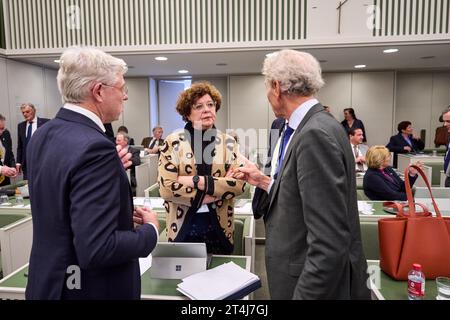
<point x="313" y="236"/>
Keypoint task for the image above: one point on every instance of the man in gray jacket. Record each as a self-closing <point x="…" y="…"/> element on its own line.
<point x="313" y="237"/>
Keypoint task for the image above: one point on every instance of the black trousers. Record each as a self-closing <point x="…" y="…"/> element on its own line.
<point x="447" y="182"/>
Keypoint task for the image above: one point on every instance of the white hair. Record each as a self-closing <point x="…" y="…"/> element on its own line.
<point x="81" y="67"/>
<point x="298" y="73"/>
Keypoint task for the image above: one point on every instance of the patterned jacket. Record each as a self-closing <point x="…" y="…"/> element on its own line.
<point x="176" y="159"/>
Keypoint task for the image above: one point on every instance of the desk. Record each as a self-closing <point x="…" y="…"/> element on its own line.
<point x="406" y="159"/>
<point x="391" y="289"/>
<point x="13" y="286"/>
<point x="379" y="213"/>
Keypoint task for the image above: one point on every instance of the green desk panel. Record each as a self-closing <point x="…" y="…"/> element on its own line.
<point x="392" y="289"/>
<point x="156" y="288"/>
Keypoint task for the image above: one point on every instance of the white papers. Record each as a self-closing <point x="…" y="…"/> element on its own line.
<point x="156" y="202"/>
<point x="217" y="283"/>
<point x="245" y="209"/>
<point x="365" y="207"/>
<point x="145" y="263"/>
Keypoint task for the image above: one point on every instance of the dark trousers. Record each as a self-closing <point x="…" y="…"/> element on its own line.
<point x="447" y="182"/>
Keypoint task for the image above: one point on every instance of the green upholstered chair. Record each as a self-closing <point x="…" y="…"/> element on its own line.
<point x="436" y="168"/>
<point x="360" y="195"/>
<point x="246" y="194"/>
<point x="369" y="237"/>
<point x="153" y="191"/>
<point x="241" y="228"/>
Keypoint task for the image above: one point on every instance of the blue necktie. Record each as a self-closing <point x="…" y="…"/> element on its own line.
<point x="286" y="135"/>
<point x="29" y="130"/>
<point x="447" y="159"/>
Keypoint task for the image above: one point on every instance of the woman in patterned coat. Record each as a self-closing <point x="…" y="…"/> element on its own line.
<point x="194" y="174"/>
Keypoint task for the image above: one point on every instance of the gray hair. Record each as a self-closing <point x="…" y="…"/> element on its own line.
<point x="81" y="67"/>
<point x="156" y="128"/>
<point x="125" y="136"/>
<point x="297" y="72"/>
<point x="27" y="104"/>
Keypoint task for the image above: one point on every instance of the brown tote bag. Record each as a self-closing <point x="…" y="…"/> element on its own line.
<point x="414" y="237"/>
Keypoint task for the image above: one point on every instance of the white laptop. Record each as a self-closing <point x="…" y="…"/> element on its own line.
<point x="177" y="260"/>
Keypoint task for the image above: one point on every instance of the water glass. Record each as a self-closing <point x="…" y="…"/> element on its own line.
<point x="443" y="288"/>
<point x="4" y="199"/>
<point x="147" y="203"/>
<point x="19" y="200"/>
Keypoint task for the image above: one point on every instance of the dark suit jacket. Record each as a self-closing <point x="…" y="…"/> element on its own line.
<point x="21" y="143"/>
<point x="82" y="211"/>
<point x="397" y="143"/>
<point x="146" y="141"/>
<point x="260" y="202"/>
<point x="135" y="161"/>
<point x="313" y="235"/>
<point x="9" y="155"/>
<point x="378" y="187"/>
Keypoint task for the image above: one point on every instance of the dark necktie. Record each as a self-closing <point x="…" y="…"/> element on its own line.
<point x="152" y="144"/>
<point x="286" y="135"/>
<point x="29" y="131"/>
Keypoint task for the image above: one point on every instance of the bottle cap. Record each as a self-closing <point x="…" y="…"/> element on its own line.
<point x="417" y="267"/>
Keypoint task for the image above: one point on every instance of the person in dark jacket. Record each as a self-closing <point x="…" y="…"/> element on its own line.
<point x="405" y="141"/>
<point x="7" y="161"/>
<point x="381" y="182"/>
<point x="351" y="122"/>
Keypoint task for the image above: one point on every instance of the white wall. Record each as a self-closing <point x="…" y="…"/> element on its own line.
<point x="28" y="83"/>
<point x="421" y="97"/>
<point x="136" y="111"/>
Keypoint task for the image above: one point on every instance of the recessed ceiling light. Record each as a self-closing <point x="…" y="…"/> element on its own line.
<point x="360" y="66"/>
<point x="130" y="67"/>
<point x="221" y="64"/>
<point x="183" y="71"/>
<point x="57" y="61"/>
<point x="390" y="50"/>
<point x="428" y="57"/>
<point x="161" y="58"/>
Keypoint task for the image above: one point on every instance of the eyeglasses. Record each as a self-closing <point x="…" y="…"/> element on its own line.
<point x="209" y="105"/>
<point x="124" y="89"/>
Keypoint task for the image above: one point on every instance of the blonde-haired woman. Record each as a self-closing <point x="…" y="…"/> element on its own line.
<point x="381" y="182"/>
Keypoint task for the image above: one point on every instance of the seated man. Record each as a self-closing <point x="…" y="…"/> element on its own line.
<point x="125" y="130"/>
<point x="122" y="139"/>
<point x="405" y="141"/>
<point x="152" y="144"/>
<point x="359" y="149"/>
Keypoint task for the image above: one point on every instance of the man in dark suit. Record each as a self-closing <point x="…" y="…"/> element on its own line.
<point x="152" y="144"/>
<point x="446" y="120"/>
<point x="7" y="162"/>
<point x="25" y="130"/>
<point x="85" y="245"/>
<point x="405" y="141"/>
<point x="313" y="237"/>
<point x="122" y="139"/>
<point x="260" y="201"/>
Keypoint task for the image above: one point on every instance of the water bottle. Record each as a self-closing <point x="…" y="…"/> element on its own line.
<point x="416" y="283"/>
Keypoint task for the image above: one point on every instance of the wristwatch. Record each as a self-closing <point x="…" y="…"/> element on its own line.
<point x="196" y="180"/>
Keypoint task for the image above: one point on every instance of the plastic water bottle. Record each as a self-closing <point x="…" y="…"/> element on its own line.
<point x="416" y="283"/>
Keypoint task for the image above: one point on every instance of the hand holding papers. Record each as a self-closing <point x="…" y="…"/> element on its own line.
<point x="227" y="281"/>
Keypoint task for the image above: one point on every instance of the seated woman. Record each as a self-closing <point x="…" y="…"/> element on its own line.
<point x="381" y="182"/>
<point x="195" y="174"/>
<point x="405" y="141"/>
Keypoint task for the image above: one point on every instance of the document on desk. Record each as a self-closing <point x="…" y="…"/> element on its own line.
<point x="145" y="263"/>
<point x="227" y="281"/>
<point x="245" y="209"/>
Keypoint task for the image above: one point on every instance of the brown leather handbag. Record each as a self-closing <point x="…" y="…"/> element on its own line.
<point x="414" y="237"/>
